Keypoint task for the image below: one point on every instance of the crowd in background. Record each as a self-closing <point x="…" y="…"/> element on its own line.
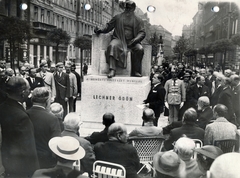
<point x="39" y="121"/>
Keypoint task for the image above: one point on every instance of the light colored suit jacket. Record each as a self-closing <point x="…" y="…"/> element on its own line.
<point x="73" y="84"/>
<point x="48" y="82"/>
<point x="218" y="130"/>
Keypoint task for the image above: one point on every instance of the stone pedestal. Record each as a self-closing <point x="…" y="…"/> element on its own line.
<point x="118" y="95"/>
<point x="99" y="65"/>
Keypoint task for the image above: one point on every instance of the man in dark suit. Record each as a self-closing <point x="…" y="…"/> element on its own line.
<point x="34" y="82"/>
<point x="198" y="90"/>
<point x="218" y="89"/>
<point x="116" y="150"/>
<point x="46" y="126"/>
<point x="62" y="84"/>
<point x="107" y="120"/>
<point x="205" y="113"/>
<point x="226" y="98"/>
<point x="155" y="98"/>
<point x="19" y="155"/>
<point x="235" y="81"/>
<point x="189" y="129"/>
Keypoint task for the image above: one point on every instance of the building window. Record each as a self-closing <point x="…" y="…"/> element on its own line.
<point x="54" y="20"/>
<point x="58" y="21"/>
<point x="63" y="23"/>
<point x="35" y="13"/>
<point x="75" y="5"/>
<point x="48" y="17"/>
<point x="42" y="15"/>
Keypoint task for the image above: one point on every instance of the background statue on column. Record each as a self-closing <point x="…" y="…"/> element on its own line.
<point x="128" y="33"/>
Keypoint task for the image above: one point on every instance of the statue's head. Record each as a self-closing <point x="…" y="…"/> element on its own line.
<point x="130" y="6"/>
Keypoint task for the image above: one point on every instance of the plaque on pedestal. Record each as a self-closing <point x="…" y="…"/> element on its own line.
<point x="118" y="95"/>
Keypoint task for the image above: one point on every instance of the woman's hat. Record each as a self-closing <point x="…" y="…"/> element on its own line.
<point x="66" y="147"/>
<point x="209" y="151"/>
<point x="169" y="163"/>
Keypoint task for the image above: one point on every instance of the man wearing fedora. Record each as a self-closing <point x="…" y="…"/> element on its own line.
<point x="206" y="156"/>
<point x="67" y="150"/>
<point x="48" y="79"/>
<point x="62" y="83"/>
<point x="169" y="165"/>
<point x="148" y="128"/>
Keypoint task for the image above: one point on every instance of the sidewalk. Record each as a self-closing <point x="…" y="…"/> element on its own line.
<point x="85" y="130"/>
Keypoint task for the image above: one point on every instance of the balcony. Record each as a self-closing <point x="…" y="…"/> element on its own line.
<point x="39" y="26"/>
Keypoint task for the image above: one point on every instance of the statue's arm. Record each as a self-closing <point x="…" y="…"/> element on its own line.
<point x="141" y="31"/>
<point x="108" y="27"/>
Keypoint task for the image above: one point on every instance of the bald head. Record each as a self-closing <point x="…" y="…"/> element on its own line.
<point x="148" y="115"/>
<point x="116" y="128"/>
<point x="225" y="166"/>
<point x="221" y="110"/>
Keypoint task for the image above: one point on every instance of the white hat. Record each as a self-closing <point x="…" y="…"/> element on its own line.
<point x="66" y="147"/>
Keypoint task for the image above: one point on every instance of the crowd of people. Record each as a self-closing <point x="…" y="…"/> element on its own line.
<point x="40" y="127"/>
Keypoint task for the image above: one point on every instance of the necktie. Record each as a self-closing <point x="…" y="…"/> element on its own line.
<point x="43" y="76"/>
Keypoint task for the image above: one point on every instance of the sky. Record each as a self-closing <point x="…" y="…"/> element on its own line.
<point x="173" y="14"/>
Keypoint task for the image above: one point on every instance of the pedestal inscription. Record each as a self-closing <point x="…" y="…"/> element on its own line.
<point x="118" y="95"/>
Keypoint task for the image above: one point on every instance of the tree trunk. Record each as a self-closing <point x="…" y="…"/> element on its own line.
<point x="81" y="64"/>
<point x="224" y="62"/>
<point x="56" y="55"/>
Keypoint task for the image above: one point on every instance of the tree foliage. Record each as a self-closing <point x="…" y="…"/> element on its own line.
<point x="181" y="46"/>
<point x="222" y="46"/>
<point x="83" y="42"/>
<point x="15" y="31"/>
<point x="236" y="39"/>
<point x="154" y="41"/>
<point x="58" y="36"/>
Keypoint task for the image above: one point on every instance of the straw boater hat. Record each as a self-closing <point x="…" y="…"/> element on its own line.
<point x="66" y="147"/>
<point x="169" y="163"/>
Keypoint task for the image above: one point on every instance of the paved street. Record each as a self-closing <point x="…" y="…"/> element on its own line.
<point x="85" y="130"/>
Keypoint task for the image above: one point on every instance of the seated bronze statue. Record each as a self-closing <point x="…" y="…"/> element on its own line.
<point x="128" y="33"/>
